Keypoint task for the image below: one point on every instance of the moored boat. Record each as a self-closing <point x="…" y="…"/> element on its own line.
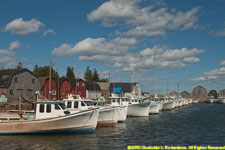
<point x="154" y="107"/>
<point x="168" y="105"/>
<point x="221" y="100"/>
<point x="123" y="104"/>
<point x="50" y="117"/>
<point x="138" y="107"/>
<point x="210" y="99"/>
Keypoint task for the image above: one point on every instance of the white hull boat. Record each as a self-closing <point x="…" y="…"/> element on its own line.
<point x="154" y="108"/>
<point x="122" y="113"/>
<point x="209" y="100"/>
<point x="108" y="116"/>
<point x="139" y="109"/>
<point x="168" y="105"/>
<point x="221" y="100"/>
<point x="51" y="119"/>
<point x="123" y="104"/>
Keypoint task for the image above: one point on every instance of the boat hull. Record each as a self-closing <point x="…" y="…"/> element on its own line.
<point x="168" y="105"/>
<point x="221" y="101"/>
<point x="138" y="110"/>
<point x="84" y="121"/>
<point x="122" y="113"/>
<point x="209" y="101"/>
<point x="108" y="116"/>
<point x="154" y="108"/>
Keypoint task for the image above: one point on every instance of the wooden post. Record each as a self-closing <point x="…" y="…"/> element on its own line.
<point x="20" y="109"/>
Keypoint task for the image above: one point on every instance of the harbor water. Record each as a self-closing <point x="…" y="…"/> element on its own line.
<point x="195" y="124"/>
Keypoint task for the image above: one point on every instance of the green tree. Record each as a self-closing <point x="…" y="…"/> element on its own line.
<point x="44" y="72"/>
<point x="19" y="66"/>
<point x="95" y="76"/>
<point x="70" y="73"/>
<point x="36" y="69"/>
<point x="104" y="80"/>
<point x="88" y="75"/>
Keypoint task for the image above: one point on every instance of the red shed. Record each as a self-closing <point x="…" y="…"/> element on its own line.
<point x="79" y="87"/>
<point x="45" y="88"/>
<point x="65" y="88"/>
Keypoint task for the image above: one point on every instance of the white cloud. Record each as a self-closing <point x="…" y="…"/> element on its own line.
<point x="217" y="74"/>
<point x="96" y="46"/>
<point x="199" y="79"/>
<point x="7" y="55"/>
<point x="143" y="21"/>
<point x="49" y="31"/>
<point x="16" y="45"/>
<point x="222" y="63"/>
<point x="220" y="33"/>
<point x="21" y="27"/>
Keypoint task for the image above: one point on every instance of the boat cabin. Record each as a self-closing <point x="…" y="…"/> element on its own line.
<point x="118" y="101"/>
<point x="74" y="103"/>
<point x="49" y="109"/>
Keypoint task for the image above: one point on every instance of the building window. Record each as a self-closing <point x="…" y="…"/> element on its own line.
<point x="82" y="83"/>
<point x="16" y="79"/>
<point x="63" y="93"/>
<point x="77" y="83"/>
<point x="33" y="81"/>
<point x="11" y="92"/>
<point x="79" y="93"/>
<point x="41" y="109"/>
<point x="48" y="108"/>
<point x="54" y="92"/>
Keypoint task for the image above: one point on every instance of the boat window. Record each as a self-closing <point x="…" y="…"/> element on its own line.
<point x="69" y="104"/>
<point x="75" y="104"/>
<point x="62" y="106"/>
<point x="57" y="107"/>
<point x="88" y="103"/>
<point x="82" y="103"/>
<point x="48" y="108"/>
<point x="135" y="100"/>
<point x="41" y="109"/>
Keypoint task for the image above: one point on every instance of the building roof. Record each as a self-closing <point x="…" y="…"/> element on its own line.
<point x="104" y="85"/>
<point x="93" y="86"/>
<point x="43" y="80"/>
<point x="117" y="90"/>
<point x="127" y="87"/>
<point x="6" y="75"/>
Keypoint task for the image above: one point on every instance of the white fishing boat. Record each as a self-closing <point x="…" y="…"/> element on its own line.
<point x="108" y="115"/>
<point x="221" y="100"/>
<point x="180" y="103"/>
<point x="168" y="105"/>
<point x="138" y="107"/>
<point x="210" y="99"/>
<point x="123" y="104"/>
<point x="50" y="117"/>
<point x="154" y="107"/>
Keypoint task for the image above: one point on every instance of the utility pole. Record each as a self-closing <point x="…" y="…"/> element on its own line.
<point x="178" y="88"/>
<point x="50" y="78"/>
<point x="109" y="76"/>
<point x="167" y="87"/>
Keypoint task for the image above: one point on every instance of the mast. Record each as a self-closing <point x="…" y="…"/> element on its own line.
<point x="167" y="87"/>
<point x="50" y="77"/>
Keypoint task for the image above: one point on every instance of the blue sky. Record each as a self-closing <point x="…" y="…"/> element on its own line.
<point x="151" y="42"/>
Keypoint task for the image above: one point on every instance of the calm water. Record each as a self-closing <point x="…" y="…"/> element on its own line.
<point x="196" y="124"/>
